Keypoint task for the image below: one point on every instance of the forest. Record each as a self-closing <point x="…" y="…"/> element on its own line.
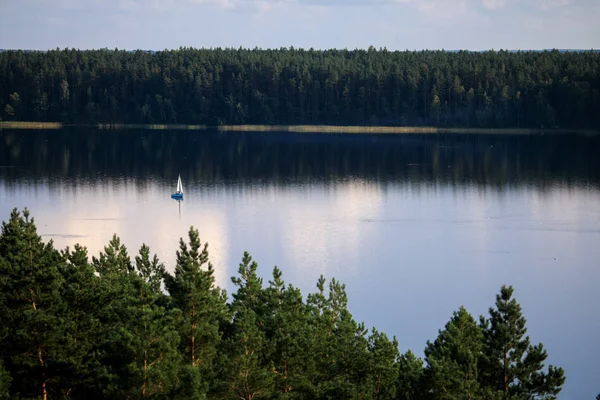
<point x="122" y="327"/>
<point x="287" y="86"/>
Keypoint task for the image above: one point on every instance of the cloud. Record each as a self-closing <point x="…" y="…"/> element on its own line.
<point x="429" y="7"/>
<point x="395" y="24"/>
<point x="125" y="22"/>
<point x="70" y="4"/>
<point x="128" y="5"/>
<point x="54" y="21"/>
<point x="493" y="4"/>
<point x="547" y="5"/>
<point x="332" y="3"/>
<point x="62" y="4"/>
<point x="218" y="3"/>
<point x="439" y="10"/>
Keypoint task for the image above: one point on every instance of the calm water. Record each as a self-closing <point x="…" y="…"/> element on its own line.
<point x="414" y="225"/>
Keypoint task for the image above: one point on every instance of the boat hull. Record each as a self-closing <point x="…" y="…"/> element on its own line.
<point x="177" y="196"/>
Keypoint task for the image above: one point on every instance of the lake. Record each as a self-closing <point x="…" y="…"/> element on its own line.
<point x="415" y="225"/>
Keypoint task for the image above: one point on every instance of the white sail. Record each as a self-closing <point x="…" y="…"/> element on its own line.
<point x="179" y="185"/>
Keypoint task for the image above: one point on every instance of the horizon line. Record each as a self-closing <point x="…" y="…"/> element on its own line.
<point x="289" y="48"/>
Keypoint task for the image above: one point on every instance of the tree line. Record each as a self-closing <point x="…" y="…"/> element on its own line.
<point x="117" y="327"/>
<point x="499" y="89"/>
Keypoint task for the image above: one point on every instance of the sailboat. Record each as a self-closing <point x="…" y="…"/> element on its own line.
<point x="178" y="195"/>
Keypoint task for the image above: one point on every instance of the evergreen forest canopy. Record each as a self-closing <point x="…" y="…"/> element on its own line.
<point x="490" y="89"/>
<point x="103" y="328"/>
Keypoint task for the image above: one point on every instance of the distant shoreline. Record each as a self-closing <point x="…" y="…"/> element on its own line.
<point x="300" y="128"/>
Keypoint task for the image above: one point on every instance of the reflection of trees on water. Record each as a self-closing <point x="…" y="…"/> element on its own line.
<point x="282" y="158"/>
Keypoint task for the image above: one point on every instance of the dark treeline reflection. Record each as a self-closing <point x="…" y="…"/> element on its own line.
<point x="210" y="157"/>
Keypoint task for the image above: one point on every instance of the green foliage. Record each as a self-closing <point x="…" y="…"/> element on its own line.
<point x="107" y="330"/>
<point x="452" y="360"/>
<point x="152" y="339"/>
<point x="288" y="339"/>
<point x="84" y="299"/>
<point x="340" y="344"/>
<point x="151" y="272"/>
<point x="203" y="309"/>
<point x="382" y="368"/>
<point x="248" y="374"/>
<point x="116" y="316"/>
<point x="5" y="381"/>
<point x="32" y="308"/>
<point x="410" y="377"/>
<point x="114" y="262"/>
<point x="511" y="364"/>
<point x="296" y="86"/>
<point x="9" y="111"/>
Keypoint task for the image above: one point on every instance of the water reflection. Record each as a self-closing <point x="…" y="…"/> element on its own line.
<point x="415" y="225"/>
<point x="204" y="157"/>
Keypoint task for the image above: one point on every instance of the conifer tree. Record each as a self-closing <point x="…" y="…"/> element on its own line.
<point x="153" y="341"/>
<point x="452" y="360"/>
<point x="106" y="330"/>
<point x="117" y="286"/>
<point x="203" y="306"/>
<point x="84" y="299"/>
<point x="510" y="364"/>
<point x="320" y="332"/>
<point x="410" y="377"/>
<point x="248" y="373"/>
<point x="340" y="344"/>
<point x="32" y="308"/>
<point x="383" y="367"/>
<point x="5" y="378"/>
<point x="114" y="262"/>
<point x="287" y="339"/>
<point x="5" y="381"/>
<point x="491" y="89"/>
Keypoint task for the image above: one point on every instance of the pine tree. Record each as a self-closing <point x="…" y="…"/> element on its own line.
<point x="114" y="262"/>
<point x="153" y="341"/>
<point x="339" y="344"/>
<point x="105" y="330"/>
<point x="5" y="381"/>
<point x="5" y="378"/>
<point x="287" y="339"/>
<point x="510" y="364"/>
<point x="32" y="308"/>
<point x="248" y="373"/>
<point x="82" y="294"/>
<point x="383" y="367"/>
<point x="203" y="305"/>
<point x="118" y="294"/>
<point x="452" y="360"/>
<point x="410" y="377"/>
<point x="297" y="86"/>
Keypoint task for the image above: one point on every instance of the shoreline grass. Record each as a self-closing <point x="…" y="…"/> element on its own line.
<point x="338" y="129"/>
<point x="30" y="125"/>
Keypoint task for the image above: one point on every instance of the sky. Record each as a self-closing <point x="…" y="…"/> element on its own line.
<point x="320" y="24"/>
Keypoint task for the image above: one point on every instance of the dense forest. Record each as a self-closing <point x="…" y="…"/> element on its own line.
<point x="114" y="327"/>
<point x="501" y="89"/>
